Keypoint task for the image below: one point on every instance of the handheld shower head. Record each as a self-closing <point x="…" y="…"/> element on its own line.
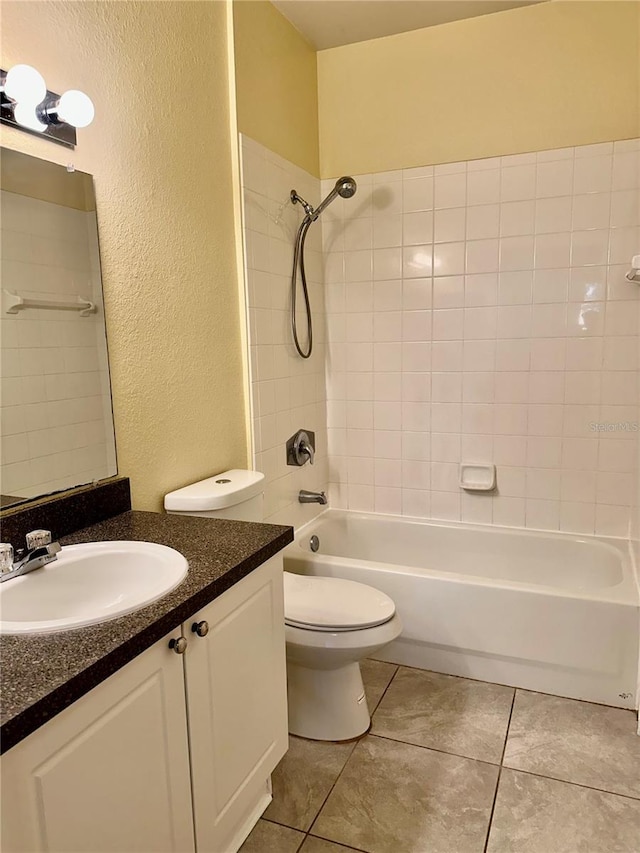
<point x="345" y="188"/>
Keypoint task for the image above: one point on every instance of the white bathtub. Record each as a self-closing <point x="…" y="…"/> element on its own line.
<point x="552" y="612"/>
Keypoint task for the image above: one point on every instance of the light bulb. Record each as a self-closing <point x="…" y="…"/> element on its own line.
<point x="25" y="85"/>
<point x="75" y="108"/>
<point x="25" y="115"/>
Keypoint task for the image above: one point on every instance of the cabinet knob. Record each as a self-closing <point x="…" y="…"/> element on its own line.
<point x="179" y="646"/>
<point x="200" y="628"/>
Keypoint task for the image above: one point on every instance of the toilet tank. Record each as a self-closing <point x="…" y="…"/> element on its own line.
<point x="235" y="494"/>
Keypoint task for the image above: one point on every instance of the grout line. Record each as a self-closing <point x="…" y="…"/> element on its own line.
<point x="279" y="823"/>
<point x="493" y="808"/>
<point x="512" y="686"/>
<point x="340" y="843"/>
<point x="308" y="831"/>
<point x="495" y="795"/>
<point x="313" y="822"/>
<point x="433" y="749"/>
<point x="506" y="734"/>
<point x="575" y="784"/>
<point x="384" y="692"/>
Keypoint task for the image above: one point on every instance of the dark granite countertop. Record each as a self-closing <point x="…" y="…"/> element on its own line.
<point x="44" y="673"/>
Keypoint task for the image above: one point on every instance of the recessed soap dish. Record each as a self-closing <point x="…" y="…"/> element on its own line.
<point x="477" y="477"/>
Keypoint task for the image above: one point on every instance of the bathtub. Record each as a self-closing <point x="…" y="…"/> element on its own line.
<point x="552" y="612"/>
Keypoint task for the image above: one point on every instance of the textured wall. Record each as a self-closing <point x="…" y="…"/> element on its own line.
<point x="276" y="83"/>
<point x="545" y="76"/>
<point x="159" y="150"/>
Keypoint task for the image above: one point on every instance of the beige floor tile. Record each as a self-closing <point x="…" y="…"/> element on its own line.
<point x="575" y="741"/>
<point x="536" y="815"/>
<point x="303" y="779"/>
<point x="455" y="715"/>
<point x="319" y="845"/>
<point x="269" y="837"/>
<point x="376" y="675"/>
<point x="397" y="798"/>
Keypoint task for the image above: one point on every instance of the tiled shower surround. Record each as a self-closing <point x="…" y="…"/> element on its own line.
<point x="288" y="392"/>
<point x="479" y="312"/>
<point x="475" y="312"/>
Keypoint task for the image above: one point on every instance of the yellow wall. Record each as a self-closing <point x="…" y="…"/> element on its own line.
<point x="159" y="150"/>
<point x="276" y="83"/>
<point x="545" y="76"/>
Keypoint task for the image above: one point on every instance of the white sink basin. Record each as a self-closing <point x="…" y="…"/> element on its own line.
<point x="89" y="584"/>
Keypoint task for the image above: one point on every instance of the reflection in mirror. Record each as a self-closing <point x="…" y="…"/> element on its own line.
<point x="57" y="422"/>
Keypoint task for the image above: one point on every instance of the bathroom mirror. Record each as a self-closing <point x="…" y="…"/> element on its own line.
<point x="56" y="416"/>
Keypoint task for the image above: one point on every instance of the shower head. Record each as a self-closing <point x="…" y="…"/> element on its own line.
<point x="345" y="188"/>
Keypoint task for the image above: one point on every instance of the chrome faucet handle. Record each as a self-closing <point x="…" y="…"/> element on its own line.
<point x="301" y="448"/>
<point x="6" y="557"/>
<point x="38" y="538"/>
<point x="305" y="447"/>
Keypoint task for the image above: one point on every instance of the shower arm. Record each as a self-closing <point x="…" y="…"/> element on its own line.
<point x="297" y="199"/>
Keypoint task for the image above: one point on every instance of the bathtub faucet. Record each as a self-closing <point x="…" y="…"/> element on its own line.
<point x="306" y="497"/>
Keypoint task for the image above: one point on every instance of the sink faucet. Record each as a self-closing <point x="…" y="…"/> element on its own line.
<point x="40" y="551"/>
<point x="306" y="497"/>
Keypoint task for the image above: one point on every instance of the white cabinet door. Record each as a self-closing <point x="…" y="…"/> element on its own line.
<point x="237" y="706"/>
<point x="110" y="774"/>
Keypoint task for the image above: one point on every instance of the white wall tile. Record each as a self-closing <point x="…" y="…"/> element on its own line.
<point x="552" y="251"/>
<point x="517" y="218"/>
<point x="417" y="194"/>
<point x="518" y="183"/>
<point x="592" y="174"/>
<point x="483" y="221"/>
<point x="550" y="285"/>
<point x="450" y="191"/>
<point x="415" y="229"/>
<point x="482" y="256"/>
<point x="504" y="352"/>
<point x="448" y="259"/>
<point x="554" y="179"/>
<point x="516" y="253"/>
<point x="483" y="187"/>
<point x="449" y="225"/>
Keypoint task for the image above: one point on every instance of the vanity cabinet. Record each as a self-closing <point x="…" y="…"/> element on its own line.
<point x="170" y="754"/>
<point x="236" y="688"/>
<point x="109" y="773"/>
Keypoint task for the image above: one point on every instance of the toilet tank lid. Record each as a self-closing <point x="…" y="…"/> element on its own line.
<point x="224" y="490"/>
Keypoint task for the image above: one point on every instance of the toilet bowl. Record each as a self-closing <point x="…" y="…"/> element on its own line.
<point x="331" y="624"/>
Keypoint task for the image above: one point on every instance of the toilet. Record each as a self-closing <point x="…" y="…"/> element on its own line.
<point x="331" y="624"/>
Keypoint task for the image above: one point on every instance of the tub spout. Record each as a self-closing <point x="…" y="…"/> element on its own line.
<point x="306" y="497"/>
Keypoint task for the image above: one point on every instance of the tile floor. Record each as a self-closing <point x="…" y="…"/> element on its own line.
<point x="458" y="766"/>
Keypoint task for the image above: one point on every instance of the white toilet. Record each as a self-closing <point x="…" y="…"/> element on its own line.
<point x="331" y="624"/>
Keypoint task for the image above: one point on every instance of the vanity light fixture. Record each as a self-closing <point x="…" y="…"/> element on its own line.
<point x="28" y="105"/>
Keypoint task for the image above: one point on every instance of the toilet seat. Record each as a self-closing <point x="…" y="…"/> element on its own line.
<point x="333" y="604"/>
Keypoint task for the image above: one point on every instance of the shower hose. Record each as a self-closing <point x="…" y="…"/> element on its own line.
<point x="298" y="261"/>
